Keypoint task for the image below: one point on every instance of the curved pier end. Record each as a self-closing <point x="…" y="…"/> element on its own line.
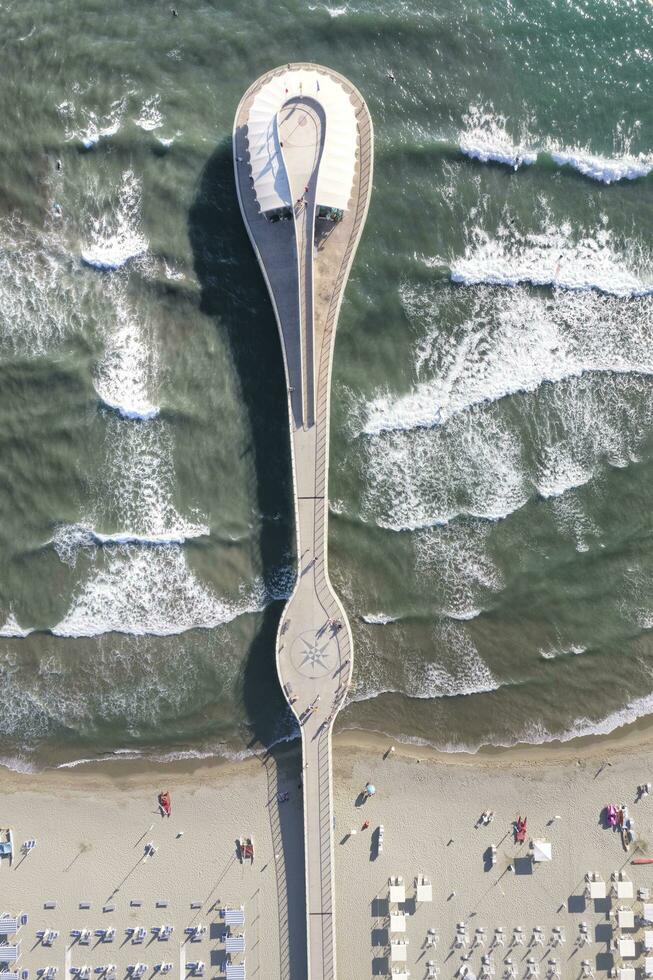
<point x="303" y="154"/>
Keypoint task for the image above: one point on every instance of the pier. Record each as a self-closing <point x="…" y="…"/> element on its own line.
<point x="303" y="155"/>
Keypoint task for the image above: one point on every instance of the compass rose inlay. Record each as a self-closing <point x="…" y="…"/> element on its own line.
<point x="314" y="653"/>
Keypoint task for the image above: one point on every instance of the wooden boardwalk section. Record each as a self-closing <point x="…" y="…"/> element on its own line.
<point x="306" y="263"/>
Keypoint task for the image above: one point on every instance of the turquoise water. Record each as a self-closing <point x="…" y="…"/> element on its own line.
<point x="491" y="455"/>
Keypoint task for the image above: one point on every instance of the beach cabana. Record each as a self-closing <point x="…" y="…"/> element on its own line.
<point x="598" y="889"/>
<point x="234" y="944"/>
<point x="234" y="917"/>
<point x="9" y="954"/>
<point x="399" y="950"/>
<point x="9" y="926"/>
<point x="624" y="889"/>
<point x="627" y="949"/>
<point x="397" y="922"/>
<point x="423" y="889"/>
<point x="235" y="971"/>
<point x="647" y="912"/>
<point x="396" y="889"/>
<point x="648" y="939"/>
<point x="648" y="966"/>
<point x="627" y="973"/>
<point x="542" y="850"/>
<point x="626" y="918"/>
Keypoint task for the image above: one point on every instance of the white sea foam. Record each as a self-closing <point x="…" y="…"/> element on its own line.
<point x="507" y="343"/>
<point x="137" y="486"/>
<point x="12" y="628"/>
<point x="379" y="619"/>
<point x="89" y="127"/>
<point x="552" y="653"/>
<point x="115" y="234"/>
<point x="148" y="592"/>
<point x="485" y="138"/>
<point x="457" y="560"/>
<point x="554" y="257"/>
<point x="40" y="297"/>
<point x="607" y="170"/>
<point x="150" y="116"/>
<point x="126" y="375"/>
<point x="459" y="671"/>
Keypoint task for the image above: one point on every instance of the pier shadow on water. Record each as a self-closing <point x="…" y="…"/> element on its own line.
<point x="234" y="296"/>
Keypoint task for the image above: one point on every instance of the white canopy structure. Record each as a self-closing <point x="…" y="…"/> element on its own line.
<point x="396" y="890"/>
<point x="397" y="922"/>
<point x="338" y="163"/>
<point x="399" y="950"/>
<point x="542" y="850"/>
<point x="423" y="889"/>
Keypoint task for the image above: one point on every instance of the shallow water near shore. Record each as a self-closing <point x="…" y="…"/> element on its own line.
<point x="491" y="447"/>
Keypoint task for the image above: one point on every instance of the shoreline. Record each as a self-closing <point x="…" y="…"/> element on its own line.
<point x="637" y="736"/>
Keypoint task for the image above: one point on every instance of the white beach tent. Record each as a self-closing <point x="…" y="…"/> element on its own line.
<point x="396" y="889"/>
<point x="397" y="922"/>
<point x="399" y="950"/>
<point x="542" y="850"/>
<point x="423" y="889"/>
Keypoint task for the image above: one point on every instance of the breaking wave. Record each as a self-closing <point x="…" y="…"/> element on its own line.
<point x="115" y="233"/>
<point x="485" y="137"/>
<point x="12" y="628"/>
<point x="505" y="343"/>
<point x="148" y="592"/>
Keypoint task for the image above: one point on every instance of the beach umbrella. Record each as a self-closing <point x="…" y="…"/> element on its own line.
<point x="370" y="789"/>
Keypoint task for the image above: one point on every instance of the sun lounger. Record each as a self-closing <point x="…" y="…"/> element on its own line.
<point x="165" y="967"/>
<point x="196" y="969"/>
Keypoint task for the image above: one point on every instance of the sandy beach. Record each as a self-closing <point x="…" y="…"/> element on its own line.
<point x="92" y="825"/>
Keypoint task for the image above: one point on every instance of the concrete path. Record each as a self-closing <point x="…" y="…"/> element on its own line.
<point x="306" y="264"/>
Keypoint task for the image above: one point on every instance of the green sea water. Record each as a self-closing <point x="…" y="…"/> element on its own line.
<point x="491" y="446"/>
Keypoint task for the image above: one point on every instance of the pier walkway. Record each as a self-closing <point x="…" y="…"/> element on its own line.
<point x="306" y="261"/>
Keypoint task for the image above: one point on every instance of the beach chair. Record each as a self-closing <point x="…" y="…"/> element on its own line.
<point x="517" y="936"/>
<point x="586" y="969"/>
<point x="431" y="970"/>
<point x="532" y="968"/>
<point x="498" y="938"/>
<point x="479" y="937"/>
<point x="537" y="938"/>
<point x="553" y="970"/>
<point x="166" y="967"/>
<point x="510" y="971"/>
<point x="109" y="934"/>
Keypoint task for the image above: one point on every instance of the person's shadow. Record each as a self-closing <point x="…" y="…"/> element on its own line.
<point x="233" y="294"/>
